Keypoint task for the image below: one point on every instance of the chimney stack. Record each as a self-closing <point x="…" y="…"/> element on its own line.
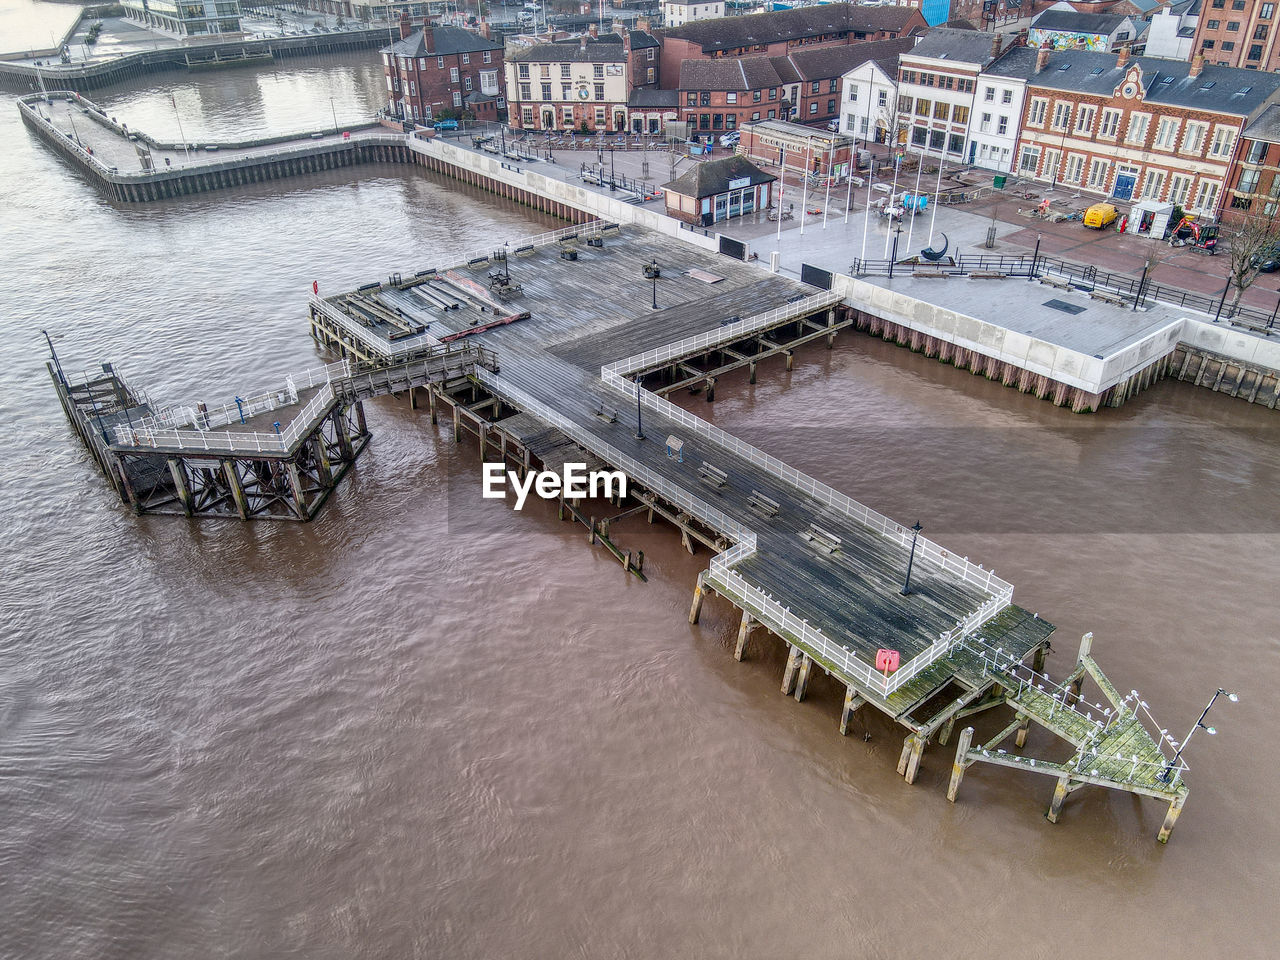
<point x="429" y="36"/>
<point x="486" y="31"/>
<point x="406" y="26"/>
<point x="1123" y="58"/>
<point x="1197" y="65"/>
<point x="996" y="43"/>
<point x="594" y="31"/>
<point x="643" y="24"/>
<point x="1042" y="59"/>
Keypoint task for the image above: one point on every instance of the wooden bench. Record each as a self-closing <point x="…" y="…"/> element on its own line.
<point x="930" y="274"/>
<point x="605" y="414"/>
<point x="825" y="541"/>
<point x="1107" y="297"/>
<point x="712" y="476"/>
<point x="986" y="275"/>
<point x="1055" y="282"/>
<point x="765" y="506"/>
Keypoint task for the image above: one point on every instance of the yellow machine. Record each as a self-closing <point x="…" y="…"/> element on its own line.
<point x="1099" y="215"/>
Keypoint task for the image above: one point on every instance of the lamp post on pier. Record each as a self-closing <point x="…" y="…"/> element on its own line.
<point x="639" y="425"/>
<point x="57" y="364"/>
<point x="1167" y="773"/>
<point x="653" y="273"/>
<point x="915" y="535"/>
<point x="1035" y="261"/>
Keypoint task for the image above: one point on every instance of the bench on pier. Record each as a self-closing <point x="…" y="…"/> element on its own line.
<point x="712" y="476"/>
<point x="1106" y="297"/>
<point x="1055" y="282"/>
<point x="825" y="541"/>
<point x="605" y="414"/>
<point x="765" y="506"/>
<point x="930" y="274"/>
<point x="986" y="275"/>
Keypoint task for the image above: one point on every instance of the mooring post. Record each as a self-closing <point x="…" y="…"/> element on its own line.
<point x="482" y="431"/>
<point x="751" y="367"/>
<point x="831" y="322"/>
<point x="711" y="389"/>
<point x="913" y="761"/>
<point x="1037" y="661"/>
<point x="793" y="665"/>
<point x="237" y="491"/>
<point x="699" y="591"/>
<point x="744" y="631"/>
<point x="852" y="701"/>
<point x="591" y="537"/>
<point x="802" y="678"/>
<point x="958" y="768"/>
<point x="457" y="424"/>
<point x="362" y="428"/>
<point x="1170" y="818"/>
<point x="791" y="359"/>
<point x="431" y="402"/>
<point x="180" y="484"/>
<point x="1059" y="798"/>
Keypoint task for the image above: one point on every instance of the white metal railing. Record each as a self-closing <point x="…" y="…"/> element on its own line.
<point x="588" y="229"/>
<point x="725" y="334"/>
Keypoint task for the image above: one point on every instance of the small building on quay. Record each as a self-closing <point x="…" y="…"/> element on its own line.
<point x="796" y="147"/>
<point x="718" y="190"/>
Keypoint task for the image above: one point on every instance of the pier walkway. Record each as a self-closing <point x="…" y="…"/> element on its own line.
<point x="571" y="317"/>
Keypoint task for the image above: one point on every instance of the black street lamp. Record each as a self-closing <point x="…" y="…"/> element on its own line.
<point x="56" y="363"/>
<point x="1035" y="260"/>
<point x="639" y="425"/>
<point x="893" y="258"/>
<point x="1167" y="774"/>
<point x="612" y="170"/>
<point x="915" y="535"/>
<point x="654" y="273"/>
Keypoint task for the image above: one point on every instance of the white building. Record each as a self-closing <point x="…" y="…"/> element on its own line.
<point x="869" y="101"/>
<point x="997" y="109"/>
<point x="936" y="85"/>
<point x="676" y="13"/>
<point x="1173" y="31"/>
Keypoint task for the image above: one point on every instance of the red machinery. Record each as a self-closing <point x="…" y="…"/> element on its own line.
<point x="1191" y="233"/>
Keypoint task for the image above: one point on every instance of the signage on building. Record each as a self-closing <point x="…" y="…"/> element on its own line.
<point x="739" y="183"/>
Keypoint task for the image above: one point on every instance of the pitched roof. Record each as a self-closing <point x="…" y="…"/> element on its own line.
<point x="819" y="63"/>
<point x="727" y="33"/>
<point x="1016" y="63"/>
<point x="1071" y="22"/>
<point x="653" y="97"/>
<point x="958" y="46"/>
<point x="722" y="74"/>
<point x="445" y="42"/>
<point x="1267" y="126"/>
<point x="1228" y="90"/>
<point x="595" y="51"/>
<point x="713" y="176"/>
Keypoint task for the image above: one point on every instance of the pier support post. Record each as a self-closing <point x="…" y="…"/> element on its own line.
<point x="323" y="465"/>
<point x="1037" y="662"/>
<point x="711" y="389"/>
<point x="1171" y="818"/>
<point x="909" y="762"/>
<point x="180" y="484"/>
<point x="431" y="401"/>
<point x="958" y="768"/>
<point x="237" y="491"/>
<point x="789" y="675"/>
<point x="299" y="494"/>
<point x="1020" y="739"/>
<point x="751" y="367"/>
<point x="802" y="676"/>
<point x="482" y="431"/>
<point x="1086" y="645"/>
<point x="1059" y="798"/>
<point x="851" y="704"/>
<point x="699" y="591"/>
<point x="791" y="359"/>
<point x="744" y="631"/>
<point x="457" y="425"/>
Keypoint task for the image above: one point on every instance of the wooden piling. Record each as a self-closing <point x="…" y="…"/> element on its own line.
<point x="852" y="701"/>
<point x="1059" y="798"/>
<point x="744" y="631"/>
<point x="793" y="666"/>
<point x="802" y="676"/>
<point x="1175" y="808"/>
<point x="958" y="767"/>
<point x="699" y="590"/>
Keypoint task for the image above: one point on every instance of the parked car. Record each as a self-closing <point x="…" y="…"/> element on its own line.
<point x="730" y="139"/>
<point x="1267" y="260"/>
<point x="1099" y="215"/>
<point x="833" y="126"/>
<point x="446" y="124"/>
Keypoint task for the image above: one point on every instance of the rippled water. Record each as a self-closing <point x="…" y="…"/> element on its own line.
<point x="421" y="727"/>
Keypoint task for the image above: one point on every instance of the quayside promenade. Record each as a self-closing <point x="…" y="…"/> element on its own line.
<point x="560" y="349"/>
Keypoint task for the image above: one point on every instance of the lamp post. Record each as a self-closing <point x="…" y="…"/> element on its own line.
<point x="915" y="535"/>
<point x="612" y="170"/>
<point x="893" y="257"/>
<point x="639" y="424"/>
<point x="1035" y="261"/>
<point x="1167" y="774"/>
<point x="335" y="114"/>
<point x="57" y="364"/>
<point x="654" y="272"/>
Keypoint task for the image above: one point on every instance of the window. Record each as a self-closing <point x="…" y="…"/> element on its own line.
<point x="1248" y="181"/>
<point x="522" y="69"/>
<point x="1213" y="24"/>
<point x="1002" y="127"/>
<point x="652" y="54"/>
<point x="1030" y="160"/>
<point x="1061" y="116"/>
<point x="1233" y="27"/>
<point x="453" y="74"/>
<point x="466" y="84"/>
<point x="546" y="91"/>
<point x="597" y="71"/>
<point x="566" y="71"/>
<point x="813" y="108"/>
<point x="1075" y="167"/>
<point x="1207" y="199"/>
<point x="853" y="93"/>
<point x="544" y="69"/>
<point x="960" y="115"/>
<point x="850" y="120"/>
<point x="755" y="96"/>
<point x="984" y="125"/>
<point x="1110" y="124"/>
<point x="941" y="110"/>
<point x="923" y="108"/>
<point x="831" y="106"/>
<point x="773" y="93"/>
<point x="566" y="91"/>
<point x="755" y="115"/>
<point x="599" y="90"/>
<point x="526" y="93"/>
<point x="771" y="115"/>
<point x="1193" y="141"/>
<point x="815" y="87"/>
<point x="1153" y="185"/>
<point x="567" y="116"/>
<point x="833" y="86"/>
<point x="717" y="121"/>
<point x="936" y="139"/>
<point x="1006" y="96"/>
<point x="1166" y="134"/>
<point x="457" y="98"/>
<point x="488" y="56"/>
<point x="1084" y="119"/>
<point x="1207" y="45"/>
<point x="1257" y="151"/>
<point x="955" y="144"/>
<point x="1098" y="174"/>
<point x="1268" y="10"/>
<point x="904" y="104"/>
<point x="1237" y="4"/>
<point x="1137" y="128"/>
<point x="1260" y="32"/>
<point x="1228" y="45"/>
<point x="1050" y="169"/>
<point x="882" y="98"/>
<point x="413" y="89"/>
<point x="1255" y="52"/>
<point x="704" y="121"/>
<point x="1224" y="138"/>
<point x="526" y="117"/>
<point x="1035" y="116"/>
<point x="650" y="75"/>
<point x="919" y="136"/>
<point x="466" y="58"/>
<point x="422" y="63"/>
<point x="600" y="122"/>
<point x="1219" y="4"/>
<point x="989" y="94"/>
<point x="730" y="98"/>
<point x="704" y="98"/>
<point x="1179" y="187"/>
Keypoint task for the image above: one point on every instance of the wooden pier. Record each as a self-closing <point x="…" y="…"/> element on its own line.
<point x="594" y="326"/>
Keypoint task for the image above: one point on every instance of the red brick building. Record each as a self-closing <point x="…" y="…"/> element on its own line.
<point x="1138" y="129"/>
<point x="1238" y="33"/>
<point x="801" y="149"/>
<point x="780" y="33"/>
<point x="1253" y="185"/>
<point x="445" y="71"/>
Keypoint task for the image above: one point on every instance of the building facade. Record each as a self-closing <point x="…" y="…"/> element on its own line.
<point x="676" y="13"/>
<point x="1062" y="28"/>
<point x="1253" y="185"/>
<point x="443" y="71"/>
<point x="718" y="190"/>
<point x="870" y="98"/>
<point x="1173" y="31"/>
<point x="187" y="18"/>
<point x="997" y="109"/>
<point x="1238" y="33"/>
<point x="936" y="85"/>
<point x="798" y="148"/>
<point x="1138" y="129"/>
<point x="581" y="84"/>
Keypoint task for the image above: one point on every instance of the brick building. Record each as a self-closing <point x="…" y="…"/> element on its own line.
<point x="936" y="84"/>
<point x="1138" y="129"/>
<point x="1253" y="185"/>
<point x="443" y="70"/>
<point x="779" y="33"/>
<point x="802" y="149"/>
<point x="1238" y="33"/>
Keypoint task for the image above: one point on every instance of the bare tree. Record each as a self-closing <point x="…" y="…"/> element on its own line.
<point x="1248" y="240"/>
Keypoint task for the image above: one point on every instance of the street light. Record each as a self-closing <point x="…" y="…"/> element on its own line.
<point x="335" y="115"/>
<point x="612" y="170"/>
<point x="915" y="535"/>
<point x="57" y="364"/>
<point x="1035" y="260"/>
<point x="639" y="425"/>
<point x="653" y="272"/>
<point x="893" y="257"/>
<point x="1167" y="774"/>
